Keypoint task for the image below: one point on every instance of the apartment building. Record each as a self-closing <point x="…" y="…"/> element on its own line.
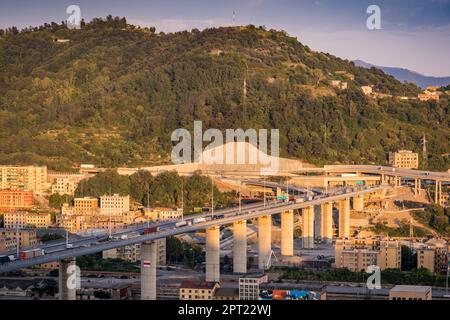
<point x="11" y="200"/>
<point x="404" y="159"/>
<point x="132" y="253"/>
<point x="64" y="185"/>
<point x="249" y="286"/>
<point x="114" y="205"/>
<point x="28" y="177"/>
<point x="433" y="255"/>
<point x="27" y="219"/>
<point x="163" y="214"/>
<point x="390" y="255"/>
<point x="86" y="206"/>
<point x="197" y="290"/>
<point x="27" y="237"/>
<point x="358" y="254"/>
<point x="7" y="244"/>
<point x="357" y="259"/>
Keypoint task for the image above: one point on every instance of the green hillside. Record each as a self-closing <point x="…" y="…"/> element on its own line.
<point x="113" y="94"/>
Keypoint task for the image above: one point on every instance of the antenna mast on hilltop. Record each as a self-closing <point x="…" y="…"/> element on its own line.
<point x="424" y="152"/>
<point x="234" y="18"/>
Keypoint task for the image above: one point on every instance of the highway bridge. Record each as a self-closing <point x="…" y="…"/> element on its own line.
<point x="211" y="223"/>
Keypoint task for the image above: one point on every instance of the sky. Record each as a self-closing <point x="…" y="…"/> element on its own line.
<point x="414" y="34"/>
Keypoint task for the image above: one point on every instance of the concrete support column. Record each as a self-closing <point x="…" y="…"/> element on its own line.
<point x="213" y="254"/>
<point x="326" y="226"/>
<point x="67" y="288"/>
<point x="264" y="240"/>
<point x="344" y="218"/>
<point x="382" y="179"/>
<point x="287" y="233"/>
<point x="240" y="246"/>
<point x="308" y="228"/>
<point x="415" y="187"/>
<point x="148" y="270"/>
<point x="358" y="202"/>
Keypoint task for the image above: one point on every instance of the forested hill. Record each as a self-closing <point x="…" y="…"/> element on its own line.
<point x="111" y="94"/>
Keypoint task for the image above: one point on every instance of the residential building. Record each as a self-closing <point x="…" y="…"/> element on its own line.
<point x="132" y="253"/>
<point x="358" y="254"/>
<point x="339" y="84"/>
<point x="402" y="292"/>
<point x="11" y="200"/>
<point x="367" y="90"/>
<point x="433" y="255"/>
<point x="64" y="185"/>
<point x="163" y="214"/>
<point x="198" y="290"/>
<point x="86" y="206"/>
<point x="29" y="178"/>
<point x="428" y="96"/>
<point x="390" y="255"/>
<point x="27" y="237"/>
<point x="99" y="290"/>
<point x="226" y="294"/>
<point x="114" y="205"/>
<point x="27" y="220"/>
<point x="249" y="286"/>
<point x="404" y="159"/>
<point x="7" y="244"/>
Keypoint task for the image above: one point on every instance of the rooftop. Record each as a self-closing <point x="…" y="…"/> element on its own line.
<point x="227" y="292"/>
<point x="405" y="288"/>
<point x="197" y="285"/>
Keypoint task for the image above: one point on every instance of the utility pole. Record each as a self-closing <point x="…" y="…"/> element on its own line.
<point x="212" y="198"/>
<point x="264" y="181"/>
<point x="17" y="239"/>
<point x="182" y="199"/>
<point x="424" y="152"/>
<point x="240" y="196"/>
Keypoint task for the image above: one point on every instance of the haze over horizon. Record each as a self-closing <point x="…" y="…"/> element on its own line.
<point x="414" y="34"/>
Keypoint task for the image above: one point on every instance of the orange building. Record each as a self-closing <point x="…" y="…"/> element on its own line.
<point x="15" y="200"/>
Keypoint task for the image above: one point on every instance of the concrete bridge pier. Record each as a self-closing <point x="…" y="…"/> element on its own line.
<point x="66" y="280"/>
<point x="148" y="270"/>
<point x="308" y="228"/>
<point x="438" y="192"/>
<point x="264" y="240"/>
<point x="287" y="233"/>
<point x="240" y="246"/>
<point x="326" y="226"/>
<point x="213" y="254"/>
<point x="358" y="202"/>
<point x="344" y="218"/>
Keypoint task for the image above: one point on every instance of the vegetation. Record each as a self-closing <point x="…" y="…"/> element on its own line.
<point x="56" y="200"/>
<point x="408" y="259"/>
<point x="51" y="237"/>
<point x="190" y="255"/>
<point x="162" y="190"/>
<point x="401" y="231"/>
<point x="113" y="94"/>
<point x="435" y="217"/>
<point x="94" y="262"/>
<point x="48" y="288"/>
<point x="414" y="277"/>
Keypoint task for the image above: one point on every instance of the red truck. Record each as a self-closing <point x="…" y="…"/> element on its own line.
<point x="151" y="230"/>
<point x="32" y="253"/>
